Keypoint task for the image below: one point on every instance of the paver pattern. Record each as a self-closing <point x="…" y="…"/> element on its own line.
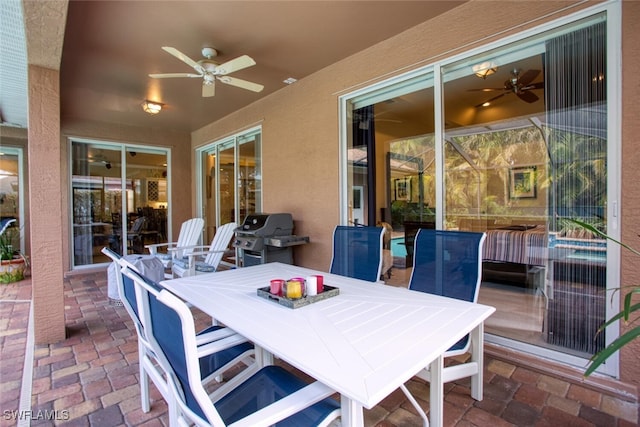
<point x="91" y="378"/>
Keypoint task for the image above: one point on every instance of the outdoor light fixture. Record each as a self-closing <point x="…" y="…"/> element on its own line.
<point x="485" y="69"/>
<point x="151" y="107"/>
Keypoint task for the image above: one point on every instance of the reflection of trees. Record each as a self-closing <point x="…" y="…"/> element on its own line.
<point x="477" y="168"/>
<point x="578" y="175"/>
<point x="572" y="169"/>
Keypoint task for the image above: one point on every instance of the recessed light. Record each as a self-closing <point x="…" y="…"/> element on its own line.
<point x="290" y="80"/>
<point x="486" y="104"/>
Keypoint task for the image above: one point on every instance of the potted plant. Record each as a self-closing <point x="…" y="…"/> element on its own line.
<point x="12" y="262"/>
<point x="628" y="309"/>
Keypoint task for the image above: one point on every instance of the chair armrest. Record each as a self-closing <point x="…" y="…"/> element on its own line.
<point x="201" y="253"/>
<point x="218" y="334"/>
<point x="287" y="406"/>
<point x="153" y="248"/>
<point x="220" y="345"/>
<point x="191" y="247"/>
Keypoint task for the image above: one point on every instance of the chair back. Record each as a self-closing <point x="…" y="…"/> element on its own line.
<point x="448" y="263"/>
<point x="357" y="252"/>
<point x="219" y="244"/>
<point x="190" y="232"/>
<point x="138" y="225"/>
<point x="173" y="337"/>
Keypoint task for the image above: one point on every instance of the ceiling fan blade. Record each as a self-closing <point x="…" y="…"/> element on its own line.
<point x="539" y="85"/>
<point x="184" y="58"/>
<point x="486" y="89"/>
<point x="527" y="96"/>
<point x="255" y="87"/>
<point x="528" y="77"/>
<point x="208" y="89"/>
<point x="171" y="75"/>
<point x="492" y="99"/>
<point x="239" y="63"/>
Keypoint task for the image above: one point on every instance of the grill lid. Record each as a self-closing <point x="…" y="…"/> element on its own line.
<point x="253" y="222"/>
<point x="278" y="224"/>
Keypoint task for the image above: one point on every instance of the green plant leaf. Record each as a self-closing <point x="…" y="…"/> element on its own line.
<point x="618" y="316"/>
<point x="599" y="358"/>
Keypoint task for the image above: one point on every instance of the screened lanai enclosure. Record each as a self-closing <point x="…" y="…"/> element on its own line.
<point x="513" y="143"/>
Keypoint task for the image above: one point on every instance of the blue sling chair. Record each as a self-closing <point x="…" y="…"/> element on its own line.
<point x="449" y="263"/>
<point x="357" y="252"/>
<point x="148" y="360"/>
<point x="270" y="396"/>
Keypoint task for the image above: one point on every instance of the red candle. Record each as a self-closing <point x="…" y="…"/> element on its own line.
<point x="275" y="286"/>
<point x="320" y="283"/>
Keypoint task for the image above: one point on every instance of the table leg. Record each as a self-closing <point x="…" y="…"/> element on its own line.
<point x="352" y="413"/>
<point x="263" y="357"/>
<point x="477" y="357"/>
<point x="436" y="392"/>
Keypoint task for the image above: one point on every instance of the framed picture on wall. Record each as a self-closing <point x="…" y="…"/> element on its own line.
<point x="403" y="189"/>
<point x="522" y="183"/>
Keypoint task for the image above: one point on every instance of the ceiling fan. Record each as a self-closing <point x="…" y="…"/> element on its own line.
<point x="520" y="84"/>
<point x="211" y="71"/>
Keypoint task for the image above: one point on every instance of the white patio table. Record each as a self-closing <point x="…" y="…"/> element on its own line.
<point x="364" y="343"/>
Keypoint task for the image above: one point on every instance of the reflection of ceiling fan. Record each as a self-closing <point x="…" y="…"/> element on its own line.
<point x="211" y="71"/>
<point x="519" y="84"/>
<point x="364" y="118"/>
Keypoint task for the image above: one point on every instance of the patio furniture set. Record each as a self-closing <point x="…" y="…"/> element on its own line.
<point x="347" y="343"/>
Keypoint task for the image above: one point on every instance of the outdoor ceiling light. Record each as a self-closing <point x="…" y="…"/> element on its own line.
<point x="151" y="107"/>
<point x="485" y="69"/>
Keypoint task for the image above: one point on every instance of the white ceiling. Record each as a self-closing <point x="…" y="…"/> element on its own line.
<point x="110" y="47"/>
<point x="13" y="65"/>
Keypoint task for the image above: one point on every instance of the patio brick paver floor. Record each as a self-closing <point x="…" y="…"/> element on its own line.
<point x="91" y="378"/>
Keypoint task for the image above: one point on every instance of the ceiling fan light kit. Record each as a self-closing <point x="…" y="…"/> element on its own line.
<point x="485" y="69"/>
<point x="151" y="107"/>
<point x="211" y="71"/>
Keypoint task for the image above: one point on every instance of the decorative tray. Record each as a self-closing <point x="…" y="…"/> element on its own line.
<point x="328" y="292"/>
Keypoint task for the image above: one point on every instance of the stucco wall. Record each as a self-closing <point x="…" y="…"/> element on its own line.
<point x="300" y="123"/>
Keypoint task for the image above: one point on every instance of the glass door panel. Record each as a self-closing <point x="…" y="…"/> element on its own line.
<point x="521" y="156"/>
<point x="96" y="170"/>
<point x="249" y="176"/>
<point x="390" y="164"/>
<point x="146" y="202"/>
<point x="209" y="196"/>
<point x="231" y="181"/>
<point x="227" y="183"/>
<point x="112" y="186"/>
<point x="11" y="204"/>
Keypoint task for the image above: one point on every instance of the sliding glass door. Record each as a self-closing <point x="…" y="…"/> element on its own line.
<point x="11" y="192"/>
<point x="230" y="183"/>
<point x="514" y="144"/>
<point x="119" y="199"/>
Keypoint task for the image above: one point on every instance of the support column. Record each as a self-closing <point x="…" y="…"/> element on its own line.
<point x="45" y="190"/>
